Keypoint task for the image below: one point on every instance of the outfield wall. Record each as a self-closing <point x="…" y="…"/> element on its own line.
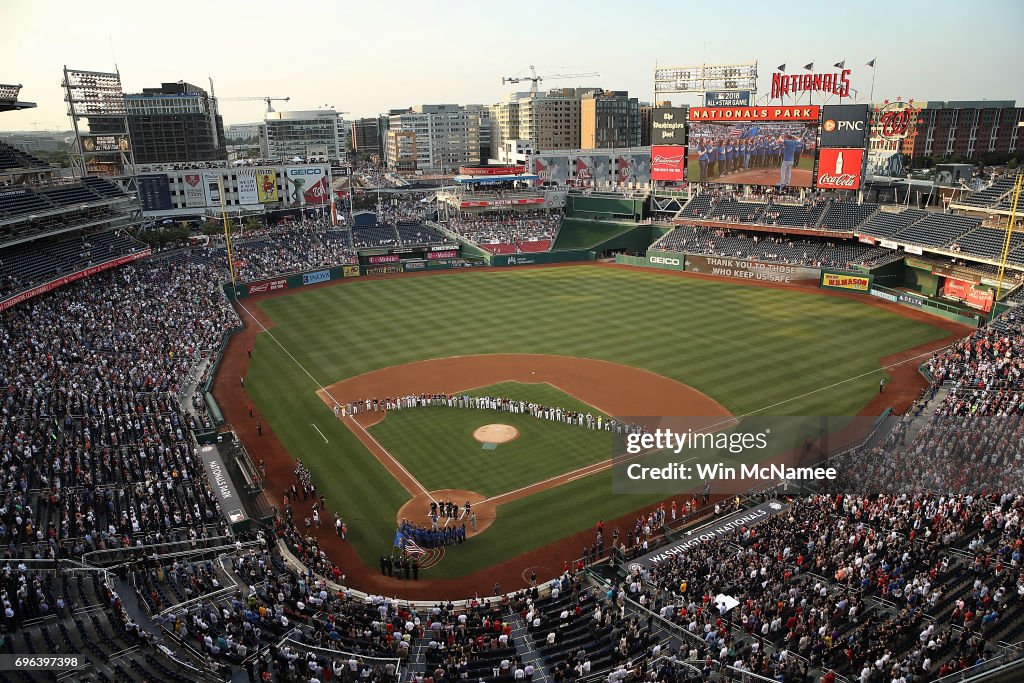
<point x="720" y="266"/>
<point x="590" y="206"/>
<point x="292" y="281"/>
<point x="543" y="257"/>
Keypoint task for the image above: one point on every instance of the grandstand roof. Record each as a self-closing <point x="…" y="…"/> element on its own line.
<point x="9" y="98"/>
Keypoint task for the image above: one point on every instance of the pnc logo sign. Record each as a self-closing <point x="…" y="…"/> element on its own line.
<point x="832" y="125"/>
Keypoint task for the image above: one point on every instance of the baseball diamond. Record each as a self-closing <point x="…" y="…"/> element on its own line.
<point x="613" y="347"/>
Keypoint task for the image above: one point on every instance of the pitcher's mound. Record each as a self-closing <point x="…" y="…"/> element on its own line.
<point x="496" y="433"/>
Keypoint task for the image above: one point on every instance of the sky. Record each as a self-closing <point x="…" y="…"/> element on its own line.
<point x="365" y="57"/>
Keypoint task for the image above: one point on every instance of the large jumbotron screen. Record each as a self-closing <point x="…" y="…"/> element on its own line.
<point x="752" y="145"/>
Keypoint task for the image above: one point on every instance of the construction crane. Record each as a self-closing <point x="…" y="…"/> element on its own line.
<point x="535" y="79"/>
<point x="268" y="100"/>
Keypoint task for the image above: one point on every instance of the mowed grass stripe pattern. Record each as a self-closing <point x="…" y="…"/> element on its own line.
<point x="745" y="347"/>
<point x="436" y="444"/>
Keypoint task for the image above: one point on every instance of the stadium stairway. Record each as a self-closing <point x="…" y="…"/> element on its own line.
<point x="918" y="423"/>
<point x="524" y="645"/>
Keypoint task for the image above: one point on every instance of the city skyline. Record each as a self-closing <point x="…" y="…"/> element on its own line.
<point x="364" y="61"/>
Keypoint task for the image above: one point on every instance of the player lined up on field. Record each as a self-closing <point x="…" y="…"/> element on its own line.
<point x="504" y="405"/>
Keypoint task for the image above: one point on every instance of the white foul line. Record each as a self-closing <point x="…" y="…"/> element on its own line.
<point x="328" y="394"/>
<point x="320" y="433"/>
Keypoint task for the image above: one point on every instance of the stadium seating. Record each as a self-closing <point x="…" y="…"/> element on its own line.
<point x="30" y="263"/>
<point x="501" y="233"/>
<point x="886" y="225"/>
<point x="938" y="229"/>
<point x="417" y="233"/>
<point x="12" y="158"/>
<point x="990" y="196"/>
<point x="375" y="236"/>
<point x="846" y="216"/>
<point x="988" y="243"/>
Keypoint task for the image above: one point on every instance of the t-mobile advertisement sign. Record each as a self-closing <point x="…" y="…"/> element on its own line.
<point x="840" y="168"/>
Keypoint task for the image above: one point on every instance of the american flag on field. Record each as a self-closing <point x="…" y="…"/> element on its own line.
<point x="735" y="132"/>
<point x="412" y="548"/>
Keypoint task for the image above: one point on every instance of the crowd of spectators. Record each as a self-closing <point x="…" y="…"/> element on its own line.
<point x="288" y="247"/>
<point x="92" y="373"/>
<point x="512" y="228"/>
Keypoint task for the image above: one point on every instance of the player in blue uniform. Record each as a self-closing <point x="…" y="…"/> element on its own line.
<point x="789" y="145"/>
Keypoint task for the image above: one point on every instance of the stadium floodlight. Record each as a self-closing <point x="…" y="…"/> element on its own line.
<point x="704" y="77"/>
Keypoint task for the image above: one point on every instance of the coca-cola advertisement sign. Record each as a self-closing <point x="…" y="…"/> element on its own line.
<point x="840" y="168"/>
<point x="668" y="162"/>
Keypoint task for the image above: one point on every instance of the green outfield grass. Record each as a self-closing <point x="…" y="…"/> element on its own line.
<point x="436" y="444"/>
<point x="749" y="348"/>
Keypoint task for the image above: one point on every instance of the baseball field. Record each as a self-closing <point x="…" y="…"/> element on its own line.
<point x="589" y="338"/>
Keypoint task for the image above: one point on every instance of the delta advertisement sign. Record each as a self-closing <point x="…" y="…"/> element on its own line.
<point x="668" y="163"/>
<point x="974" y="297"/>
<point x="840" y="168"/>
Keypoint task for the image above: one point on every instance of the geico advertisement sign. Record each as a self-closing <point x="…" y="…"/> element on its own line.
<point x="304" y="171"/>
<point x="664" y="261"/>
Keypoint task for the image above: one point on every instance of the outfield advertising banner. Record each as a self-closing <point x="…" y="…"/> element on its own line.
<point x="744" y="269"/>
<point x="350" y="271"/>
<point x="211" y="189"/>
<point x="387" y="258"/>
<point x="847" y="281"/>
<point x="193" y="190"/>
<point x="155" y="192"/>
<point x="668" y="126"/>
<point x="318" y="276"/>
<point x="975" y="297"/>
<point x="268" y="286"/>
<point x="840" y="169"/>
<point x="666" y="260"/>
<point x="668" y="163"/>
<point x="844" y="125"/>
<point x="307" y="185"/>
<point x="384" y="270"/>
<point x="247" y="187"/>
<point x="266" y="185"/>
